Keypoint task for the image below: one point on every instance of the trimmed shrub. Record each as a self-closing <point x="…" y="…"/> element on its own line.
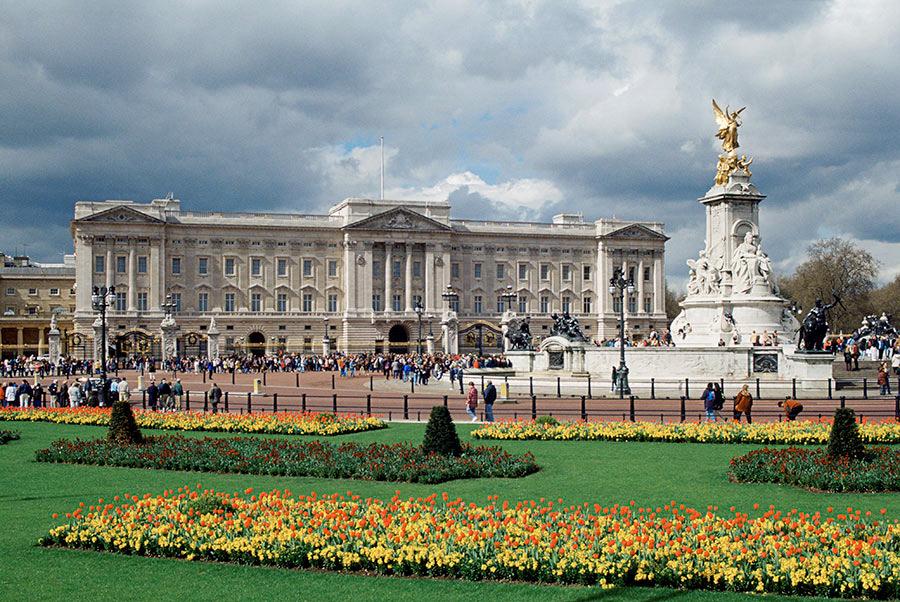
<point x="123" y="428"/>
<point x="6" y="436"/>
<point x="844" y="441"/>
<point x="440" y="434"/>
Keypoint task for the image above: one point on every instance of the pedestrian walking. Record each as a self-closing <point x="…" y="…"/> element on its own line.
<point x="124" y="390"/>
<point x="490" y="396"/>
<point x="709" y="402"/>
<point x="472" y="402"/>
<point x="152" y="396"/>
<point x="214" y="395"/>
<point x="884" y="379"/>
<point x="743" y="401"/>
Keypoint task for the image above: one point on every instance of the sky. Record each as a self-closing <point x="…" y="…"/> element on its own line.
<point x="512" y="110"/>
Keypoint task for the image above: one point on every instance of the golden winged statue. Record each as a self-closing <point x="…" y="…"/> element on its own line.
<point x="728" y="123"/>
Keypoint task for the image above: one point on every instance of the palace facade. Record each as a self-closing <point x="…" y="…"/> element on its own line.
<point x="282" y="281"/>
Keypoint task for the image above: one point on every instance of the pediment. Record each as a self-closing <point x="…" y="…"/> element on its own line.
<point x="636" y="232"/>
<point x="399" y="219"/>
<point x="121" y="215"/>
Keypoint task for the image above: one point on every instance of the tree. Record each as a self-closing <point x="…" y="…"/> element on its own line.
<point x="440" y="433"/>
<point x="673" y="303"/>
<point x="839" y="266"/>
<point x="887" y="299"/>
<point x="844" y="441"/>
<point x="123" y="428"/>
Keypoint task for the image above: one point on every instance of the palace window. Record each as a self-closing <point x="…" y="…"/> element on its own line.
<point x="617" y="304"/>
<point x="120" y="301"/>
<point x="648" y="304"/>
<point x="454" y="270"/>
<point x="523" y="304"/>
<point x="501" y="271"/>
<point x="395" y="303"/>
<point x="632" y="304"/>
<point x="454" y="305"/>
<point x="566" y="272"/>
<point x="477" y="304"/>
<point x="566" y="304"/>
<point x="176" y="299"/>
<point x="417" y="300"/>
<point x="307" y="344"/>
<point x="545" y="304"/>
<point x="376" y="269"/>
<point x="202" y="301"/>
<point x="32" y="292"/>
<point x="99" y="264"/>
<point x="10" y="292"/>
<point x="307" y="268"/>
<point x="54" y="292"/>
<point x="395" y="269"/>
<point x="282" y="302"/>
<point x="545" y="271"/>
<point x="255" y="302"/>
<point x="417" y="269"/>
<point x="523" y="271"/>
<point x="120" y="264"/>
<point x="256" y="266"/>
<point x="586" y="272"/>
<point x="203" y="266"/>
<point x="307" y="302"/>
<point x="631" y="273"/>
<point x="176" y="265"/>
<point x="281" y="267"/>
<point x="646" y="273"/>
<point x="477" y="270"/>
<point x="586" y="305"/>
<point x="229" y="301"/>
<point x="142" y="264"/>
<point x="500" y="305"/>
<point x="229" y="266"/>
<point x="142" y="301"/>
<point x="376" y="302"/>
<point x="332" y="268"/>
<point x="332" y="303"/>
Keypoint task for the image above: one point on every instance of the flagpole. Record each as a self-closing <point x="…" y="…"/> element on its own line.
<point x="382" y="168"/>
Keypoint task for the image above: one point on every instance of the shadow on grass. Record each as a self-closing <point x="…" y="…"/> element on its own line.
<point x="617" y="592"/>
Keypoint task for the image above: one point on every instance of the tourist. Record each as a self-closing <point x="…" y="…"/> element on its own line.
<point x="152" y="395"/>
<point x="719" y="400"/>
<point x="884" y="379"/>
<point x="166" y="401"/>
<point x="53" y="394"/>
<point x="178" y="392"/>
<point x="23" y="392"/>
<point x="124" y="391"/>
<point x="709" y="402"/>
<point x="854" y="353"/>
<point x="895" y="362"/>
<point x="62" y="398"/>
<point x="37" y="395"/>
<point x="612" y="384"/>
<point x="472" y="402"/>
<point x="214" y="396"/>
<point x="490" y="396"/>
<point x="9" y="395"/>
<point x="791" y="407"/>
<point x="743" y="401"/>
<point x="848" y="358"/>
<point x="75" y="394"/>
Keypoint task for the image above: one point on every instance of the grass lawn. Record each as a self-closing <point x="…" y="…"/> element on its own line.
<point x="604" y="472"/>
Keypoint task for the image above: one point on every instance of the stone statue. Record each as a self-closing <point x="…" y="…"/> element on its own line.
<point x="728" y="126"/>
<point x="745" y="264"/>
<point x="815" y="325"/>
<point x="567" y="326"/>
<point x="704" y="277"/>
<point x="518" y="332"/>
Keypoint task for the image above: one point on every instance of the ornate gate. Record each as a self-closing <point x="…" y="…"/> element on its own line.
<point x="137" y="343"/>
<point x="480" y="337"/>
<point x="192" y="344"/>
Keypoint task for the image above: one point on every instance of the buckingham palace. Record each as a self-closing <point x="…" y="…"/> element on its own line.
<point x="371" y="275"/>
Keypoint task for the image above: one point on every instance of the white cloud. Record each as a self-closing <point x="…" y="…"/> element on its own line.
<point x="523" y="195"/>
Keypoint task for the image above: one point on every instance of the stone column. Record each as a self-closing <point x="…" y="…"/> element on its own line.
<point x="109" y="267"/>
<point x="388" y="273"/>
<point x="350" y="283"/>
<point x="168" y="328"/>
<point x="98" y="338"/>
<point x="429" y="277"/>
<point x="212" y="339"/>
<point x="155" y="268"/>
<point x="366" y="278"/>
<point x="20" y="340"/>
<point x="41" y="340"/>
<point x="132" y="278"/>
<point x="659" y="285"/>
<point x="640" y="283"/>
<point x="53" y="343"/>
<point x="407" y="284"/>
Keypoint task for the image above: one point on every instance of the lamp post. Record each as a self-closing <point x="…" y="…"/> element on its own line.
<point x="326" y="340"/>
<point x="619" y="284"/>
<point x="419" y="309"/>
<point x="100" y="301"/>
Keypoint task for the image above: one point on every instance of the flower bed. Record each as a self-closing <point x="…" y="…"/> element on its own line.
<point x="848" y="555"/>
<point x="252" y="455"/>
<point x="7" y="436"/>
<point x="812" y="468"/>
<point x="793" y="433"/>
<point x="281" y="423"/>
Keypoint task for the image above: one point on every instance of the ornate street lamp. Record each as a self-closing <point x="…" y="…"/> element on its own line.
<point x="619" y="284"/>
<point x="100" y="301"/>
<point x="419" y="309"/>
<point x="509" y="297"/>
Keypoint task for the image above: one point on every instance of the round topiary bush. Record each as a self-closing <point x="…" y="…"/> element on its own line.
<point x="123" y="428"/>
<point x="440" y="434"/>
<point x="844" y="441"/>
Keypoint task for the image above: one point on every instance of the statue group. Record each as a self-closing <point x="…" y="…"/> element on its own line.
<point x="567" y="326"/>
<point x="518" y="333"/>
<point x="874" y="326"/>
<point x="749" y="265"/>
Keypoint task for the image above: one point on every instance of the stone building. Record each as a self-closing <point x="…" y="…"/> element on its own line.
<point x="282" y="281"/>
<point x="32" y="292"/>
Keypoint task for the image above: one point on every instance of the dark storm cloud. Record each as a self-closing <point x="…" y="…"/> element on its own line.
<point x="602" y="109"/>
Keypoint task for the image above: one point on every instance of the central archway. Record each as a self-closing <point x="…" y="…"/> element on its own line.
<point x="256" y="343"/>
<point x="398" y="339"/>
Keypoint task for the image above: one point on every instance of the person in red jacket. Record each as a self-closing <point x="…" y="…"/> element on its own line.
<point x="792" y="408"/>
<point x="472" y="402"/>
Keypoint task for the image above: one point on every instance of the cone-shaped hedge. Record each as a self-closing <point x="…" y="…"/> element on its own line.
<point x="844" y="441"/>
<point x="123" y="428"/>
<point x="440" y="434"/>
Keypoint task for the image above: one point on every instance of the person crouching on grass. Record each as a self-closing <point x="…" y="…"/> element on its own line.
<point x="792" y="407"/>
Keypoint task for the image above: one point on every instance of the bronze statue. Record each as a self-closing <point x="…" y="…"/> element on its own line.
<point x="518" y="333"/>
<point x="567" y="326"/>
<point x="815" y="325"/>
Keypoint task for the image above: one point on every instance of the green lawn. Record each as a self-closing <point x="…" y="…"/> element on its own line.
<point x="605" y="472"/>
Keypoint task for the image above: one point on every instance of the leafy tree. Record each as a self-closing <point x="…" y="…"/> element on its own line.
<point x="440" y="433"/>
<point x="839" y="266"/>
<point x="673" y="303"/>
